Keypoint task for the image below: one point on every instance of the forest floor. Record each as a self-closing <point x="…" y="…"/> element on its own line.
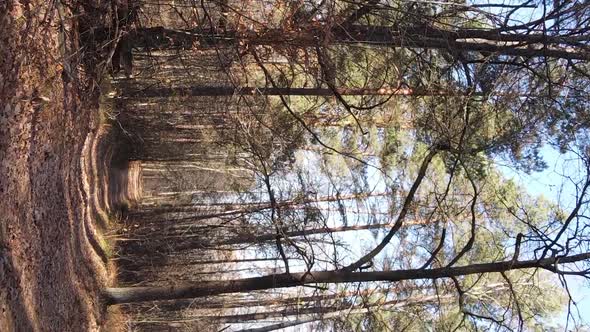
<point x="54" y="177"/>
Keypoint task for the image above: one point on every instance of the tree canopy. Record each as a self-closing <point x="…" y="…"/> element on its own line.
<point x="364" y="151"/>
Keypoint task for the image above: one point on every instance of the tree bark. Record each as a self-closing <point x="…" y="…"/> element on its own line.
<point x="401" y="217"/>
<point x="199" y="91"/>
<point x="257" y="239"/>
<point x="337" y="314"/>
<point x="254" y="206"/>
<point x="475" y="40"/>
<point x="283" y="280"/>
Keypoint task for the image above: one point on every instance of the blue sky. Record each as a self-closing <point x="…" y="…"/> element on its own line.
<point x="552" y="184"/>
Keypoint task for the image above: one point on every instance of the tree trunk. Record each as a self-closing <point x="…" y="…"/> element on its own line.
<point x="199" y="91"/>
<point x="254" y="206"/>
<point x="258" y="239"/>
<point x="474" y="40"/>
<point x="283" y="280"/>
<point x="336" y="314"/>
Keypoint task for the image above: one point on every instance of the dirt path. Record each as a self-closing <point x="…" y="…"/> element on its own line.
<point x="53" y="181"/>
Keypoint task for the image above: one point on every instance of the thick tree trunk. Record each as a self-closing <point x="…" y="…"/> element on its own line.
<point x="474" y="40"/>
<point x="199" y="91"/>
<point x="208" y="288"/>
<point x="265" y="300"/>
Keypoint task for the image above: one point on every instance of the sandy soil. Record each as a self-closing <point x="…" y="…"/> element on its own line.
<point x="53" y="182"/>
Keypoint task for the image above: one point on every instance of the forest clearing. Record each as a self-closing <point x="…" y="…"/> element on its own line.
<point x="294" y="165"/>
